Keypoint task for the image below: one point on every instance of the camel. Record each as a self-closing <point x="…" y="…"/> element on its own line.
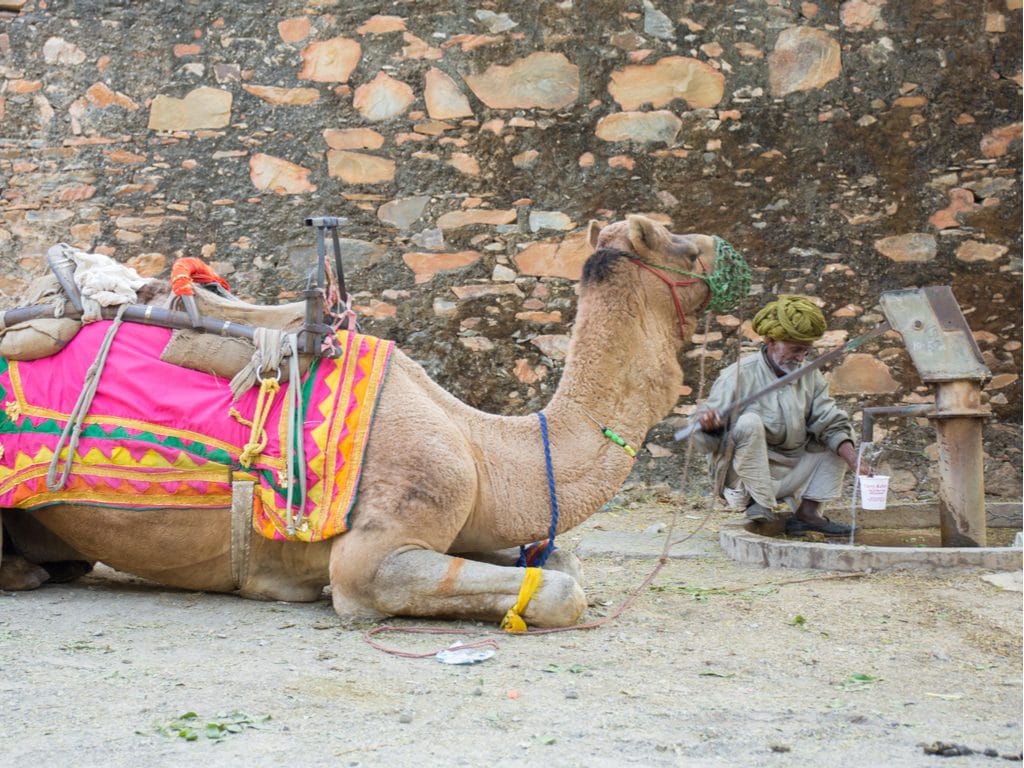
<point x="447" y="493"/>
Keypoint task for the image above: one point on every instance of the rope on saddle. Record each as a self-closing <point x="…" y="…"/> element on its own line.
<point x="295" y="451"/>
<point x="271" y="346"/>
<point x="269" y="387"/>
<point x="337" y="301"/>
<point x="73" y="429"/>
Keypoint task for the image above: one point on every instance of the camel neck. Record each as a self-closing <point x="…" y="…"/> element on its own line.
<point x="620" y="372"/>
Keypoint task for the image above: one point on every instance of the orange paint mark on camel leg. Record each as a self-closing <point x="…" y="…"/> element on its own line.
<point x="447" y="585"/>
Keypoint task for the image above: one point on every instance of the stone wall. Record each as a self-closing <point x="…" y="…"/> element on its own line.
<point x="846" y="149"/>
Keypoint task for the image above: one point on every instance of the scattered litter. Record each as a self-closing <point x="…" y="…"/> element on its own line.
<point x="1011" y="581"/>
<point x="457" y="653"/>
<point x="947" y="749"/>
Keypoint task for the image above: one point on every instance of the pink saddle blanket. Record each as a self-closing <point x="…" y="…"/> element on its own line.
<point x="160" y="436"/>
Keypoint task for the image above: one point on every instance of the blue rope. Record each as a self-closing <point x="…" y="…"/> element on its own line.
<point x="553" y="497"/>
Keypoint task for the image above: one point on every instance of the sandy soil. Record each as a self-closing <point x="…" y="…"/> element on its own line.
<point x="714" y="663"/>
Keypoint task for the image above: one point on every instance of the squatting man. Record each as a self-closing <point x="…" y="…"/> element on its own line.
<point x="794" y="444"/>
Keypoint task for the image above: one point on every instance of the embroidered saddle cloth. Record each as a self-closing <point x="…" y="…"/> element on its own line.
<point x="159" y="435"/>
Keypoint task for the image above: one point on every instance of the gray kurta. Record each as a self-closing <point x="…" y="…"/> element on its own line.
<point x="798" y="419"/>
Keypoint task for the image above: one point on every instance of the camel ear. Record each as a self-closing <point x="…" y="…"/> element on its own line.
<point x="593" y="231"/>
<point x="649" y="239"/>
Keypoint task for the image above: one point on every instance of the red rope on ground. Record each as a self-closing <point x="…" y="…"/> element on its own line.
<point x="492" y="643"/>
<point x="488" y="643"/>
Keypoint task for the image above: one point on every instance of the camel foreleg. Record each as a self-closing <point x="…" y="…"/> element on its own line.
<point x="420" y="582"/>
<point x="559" y="560"/>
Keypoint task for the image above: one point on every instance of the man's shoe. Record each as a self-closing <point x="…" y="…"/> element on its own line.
<point x="756" y="513"/>
<point x="795" y="526"/>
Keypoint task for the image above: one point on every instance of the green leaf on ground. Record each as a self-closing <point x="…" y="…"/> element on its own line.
<point x="189" y="725"/>
<point x="858" y="681"/>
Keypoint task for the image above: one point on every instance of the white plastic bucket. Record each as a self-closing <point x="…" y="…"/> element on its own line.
<point x="873" y="491"/>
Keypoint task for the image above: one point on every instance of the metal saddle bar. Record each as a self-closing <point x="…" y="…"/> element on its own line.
<point x="166" y="318"/>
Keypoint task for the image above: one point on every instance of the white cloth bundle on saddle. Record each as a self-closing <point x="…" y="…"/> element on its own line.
<point x="99" y="281"/>
<point x="102" y="282"/>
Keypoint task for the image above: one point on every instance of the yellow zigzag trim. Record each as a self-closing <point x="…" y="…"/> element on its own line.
<point x="25" y="460"/>
<point x="119" y="456"/>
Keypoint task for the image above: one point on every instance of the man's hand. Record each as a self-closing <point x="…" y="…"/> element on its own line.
<point x="848" y="454"/>
<point x="711" y="421"/>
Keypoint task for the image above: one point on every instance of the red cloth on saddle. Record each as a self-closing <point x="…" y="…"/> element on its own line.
<point x="190" y="270"/>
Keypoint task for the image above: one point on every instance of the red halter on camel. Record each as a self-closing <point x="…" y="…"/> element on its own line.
<point x="674" y="285"/>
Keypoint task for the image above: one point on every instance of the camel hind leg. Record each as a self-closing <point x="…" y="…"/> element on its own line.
<point x="33" y="555"/>
<point x="16" y="573"/>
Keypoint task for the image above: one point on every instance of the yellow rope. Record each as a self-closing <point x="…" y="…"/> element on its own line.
<point x="258" y="434"/>
<point x="513" y="621"/>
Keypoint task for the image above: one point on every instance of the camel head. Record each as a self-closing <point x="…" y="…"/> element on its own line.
<point x="678" y="261"/>
<point x="651" y="241"/>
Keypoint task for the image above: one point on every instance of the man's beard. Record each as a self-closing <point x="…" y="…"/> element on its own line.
<point x="787" y="366"/>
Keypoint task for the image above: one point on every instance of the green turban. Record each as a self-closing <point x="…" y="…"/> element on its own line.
<point x="790" y="318"/>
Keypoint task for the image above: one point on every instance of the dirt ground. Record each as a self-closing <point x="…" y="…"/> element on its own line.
<point x="714" y="663"/>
